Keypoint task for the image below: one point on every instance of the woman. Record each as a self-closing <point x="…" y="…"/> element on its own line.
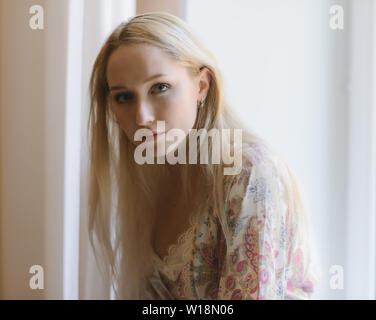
<point x="185" y="230"/>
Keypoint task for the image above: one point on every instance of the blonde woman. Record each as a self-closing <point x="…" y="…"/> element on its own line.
<point x="185" y="230"/>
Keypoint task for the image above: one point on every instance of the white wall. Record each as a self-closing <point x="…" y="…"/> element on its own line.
<point x="286" y="74"/>
<point x="361" y="183"/>
<point x="23" y="146"/>
<point x="33" y="98"/>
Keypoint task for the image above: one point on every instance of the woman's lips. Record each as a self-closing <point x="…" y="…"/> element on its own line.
<point x="155" y="135"/>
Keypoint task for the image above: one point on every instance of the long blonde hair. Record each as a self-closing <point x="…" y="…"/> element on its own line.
<point x="121" y="193"/>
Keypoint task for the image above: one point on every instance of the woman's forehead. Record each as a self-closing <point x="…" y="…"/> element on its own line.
<point x="138" y="62"/>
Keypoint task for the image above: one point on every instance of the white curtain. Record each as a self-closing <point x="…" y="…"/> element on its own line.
<point x="89" y="23"/>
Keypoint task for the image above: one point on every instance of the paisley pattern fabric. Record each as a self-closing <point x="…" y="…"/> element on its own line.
<point x="264" y="259"/>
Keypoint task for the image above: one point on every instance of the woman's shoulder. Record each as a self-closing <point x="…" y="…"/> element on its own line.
<point x="260" y="154"/>
<point x="258" y="160"/>
<point x="258" y="210"/>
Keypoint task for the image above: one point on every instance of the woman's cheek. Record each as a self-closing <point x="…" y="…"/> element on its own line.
<point x="123" y="121"/>
<point x="168" y="108"/>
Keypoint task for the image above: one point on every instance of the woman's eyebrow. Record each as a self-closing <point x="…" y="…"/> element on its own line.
<point x="146" y="80"/>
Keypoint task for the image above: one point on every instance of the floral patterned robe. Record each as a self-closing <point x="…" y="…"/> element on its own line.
<point x="263" y="260"/>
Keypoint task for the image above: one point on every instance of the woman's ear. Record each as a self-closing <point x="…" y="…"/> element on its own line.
<point x="204" y="78"/>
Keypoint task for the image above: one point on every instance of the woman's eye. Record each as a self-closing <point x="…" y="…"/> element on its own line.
<point x="118" y="97"/>
<point x="124" y="97"/>
<point x="160" y="87"/>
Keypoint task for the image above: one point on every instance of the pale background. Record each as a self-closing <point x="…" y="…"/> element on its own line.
<point x="308" y="89"/>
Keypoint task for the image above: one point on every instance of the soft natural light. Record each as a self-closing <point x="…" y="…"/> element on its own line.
<point x="306" y="87"/>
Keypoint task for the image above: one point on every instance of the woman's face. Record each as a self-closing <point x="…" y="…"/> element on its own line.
<point x="146" y="86"/>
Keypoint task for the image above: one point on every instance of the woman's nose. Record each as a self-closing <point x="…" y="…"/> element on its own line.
<point x="144" y="114"/>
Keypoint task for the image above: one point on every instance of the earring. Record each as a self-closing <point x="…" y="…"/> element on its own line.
<point x="201" y="103"/>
